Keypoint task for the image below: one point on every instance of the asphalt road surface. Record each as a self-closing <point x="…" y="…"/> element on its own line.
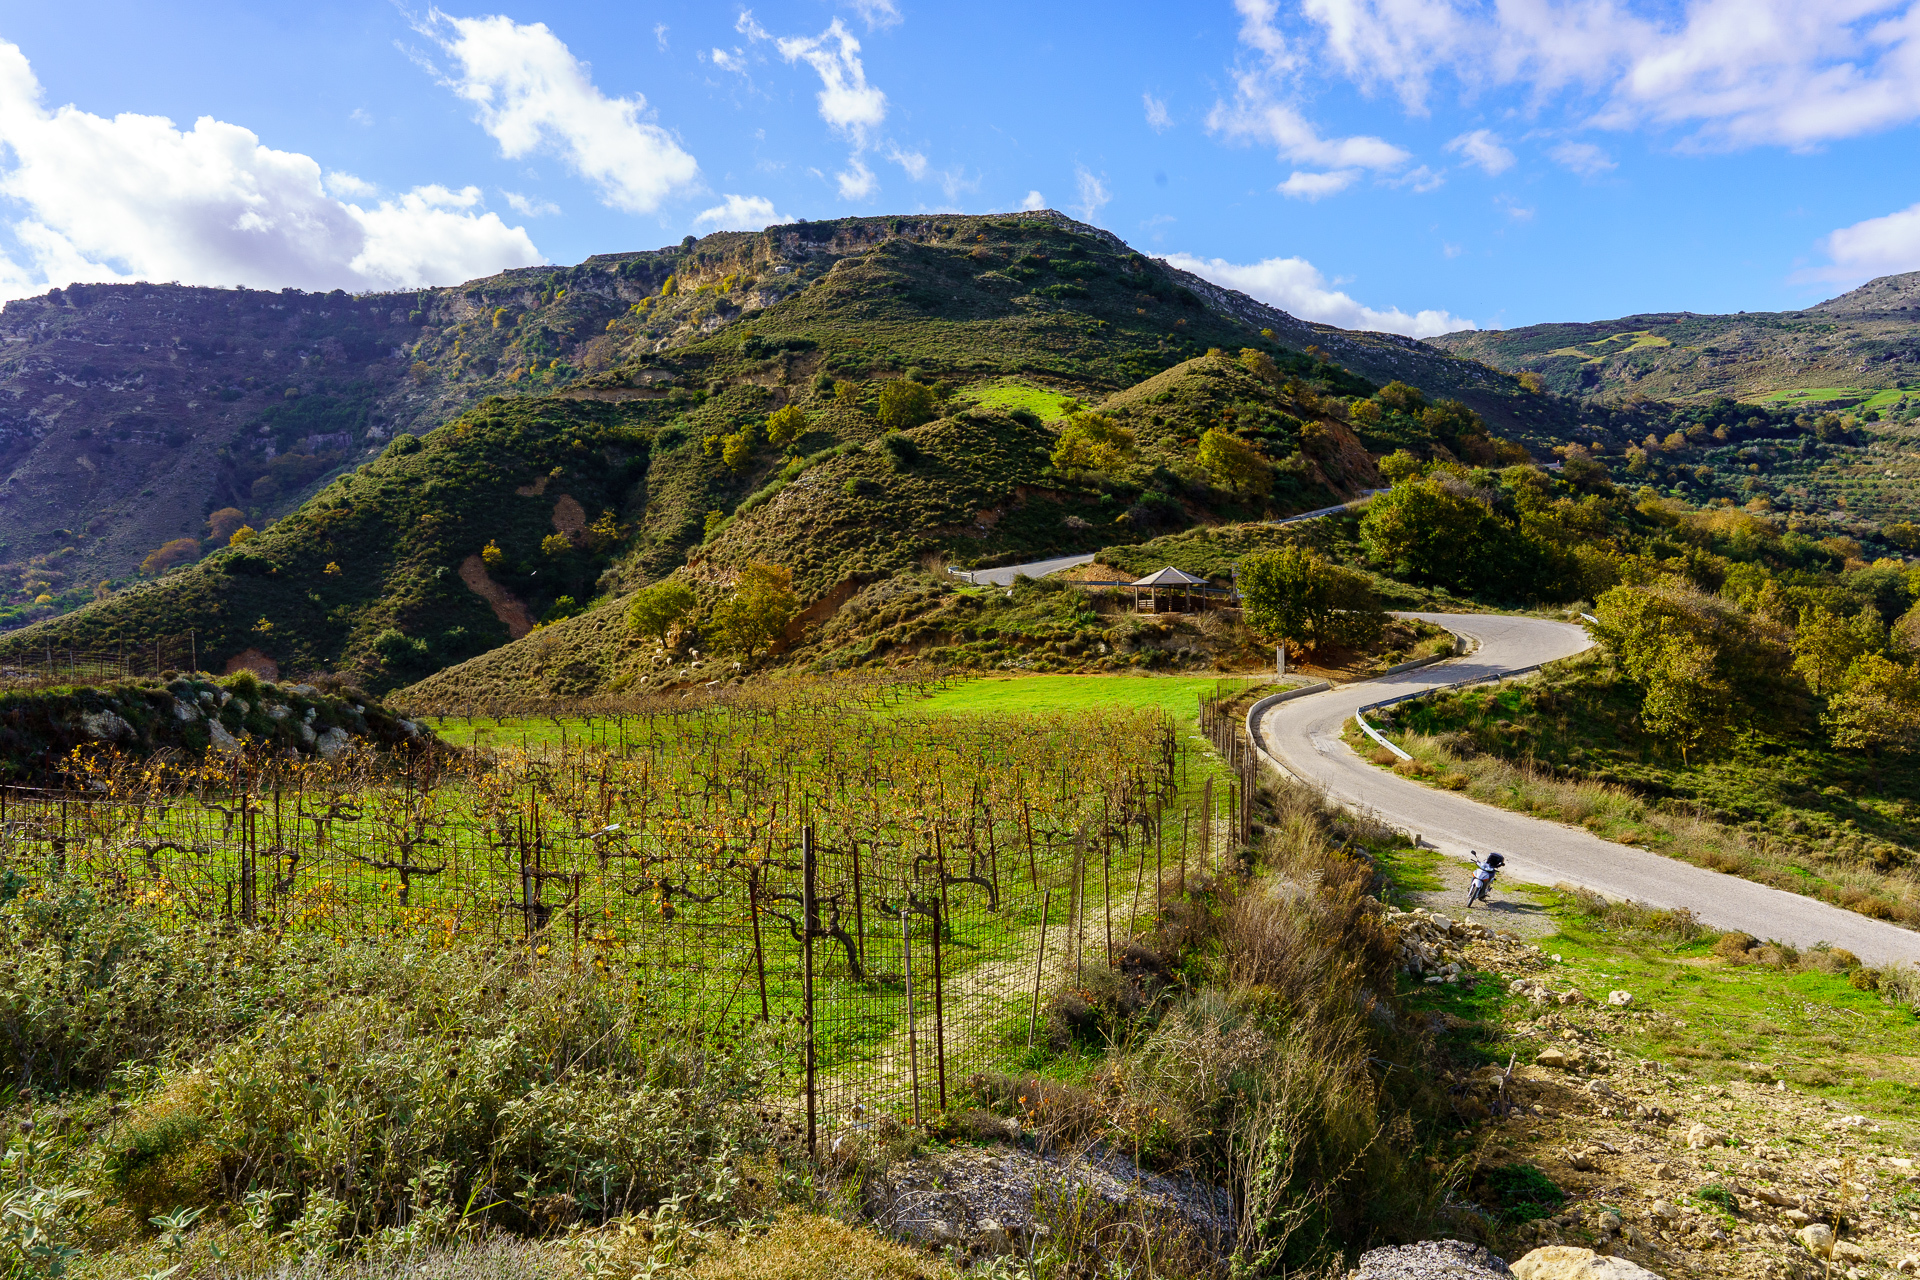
<point x="1037" y="569"/>
<point x="1303" y="735"/>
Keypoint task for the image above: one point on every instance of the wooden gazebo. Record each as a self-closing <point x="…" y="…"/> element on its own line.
<point x="1172" y="582"/>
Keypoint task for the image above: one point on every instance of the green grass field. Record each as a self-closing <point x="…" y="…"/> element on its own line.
<point x="1007" y="396"/>
<point x="1870" y="398"/>
<point x="1178" y="696"/>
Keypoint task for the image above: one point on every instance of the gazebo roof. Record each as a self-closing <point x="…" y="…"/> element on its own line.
<point x="1170" y="577"/>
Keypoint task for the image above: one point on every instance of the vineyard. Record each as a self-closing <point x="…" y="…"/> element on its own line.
<point x="896" y="892"/>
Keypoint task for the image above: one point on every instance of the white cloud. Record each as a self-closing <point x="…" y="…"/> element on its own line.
<point x="1157" y="118"/>
<point x="1304" y="185"/>
<point x="1297" y="286"/>
<point x="740" y="213"/>
<point x="734" y="62"/>
<point x="528" y="207"/>
<point x="1583" y="158"/>
<point x="1421" y="180"/>
<point x="1255" y="116"/>
<point x="1880" y="246"/>
<point x="876" y="13"/>
<point x="1034" y="200"/>
<point x="1482" y="147"/>
<point x="1515" y="210"/>
<point x="912" y="161"/>
<point x="86" y="198"/>
<point x="345" y="184"/>
<point x="1258" y="32"/>
<point x="747" y="27"/>
<point x="531" y="92"/>
<point x="856" y="181"/>
<point x="361" y="116"/>
<point x="1736" y="72"/>
<point x="660" y="35"/>
<point x="847" y="102"/>
<point x="1093" y="194"/>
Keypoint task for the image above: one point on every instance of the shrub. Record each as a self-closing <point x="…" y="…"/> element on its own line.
<point x="657" y="608"/>
<point x="170" y="555"/>
<point x="1524" y="1192"/>
<point x="1093" y="442"/>
<point x="786" y="425"/>
<point x="900" y="450"/>
<point x="905" y="404"/>
<point x="1233" y="463"/>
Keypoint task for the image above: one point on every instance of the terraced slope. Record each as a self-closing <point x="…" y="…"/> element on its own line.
<point x="1847" y="349"/>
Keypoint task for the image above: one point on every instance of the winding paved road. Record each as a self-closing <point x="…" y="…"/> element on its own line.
<point x="1003" y="577"/>
<point x="1303" y="735"/>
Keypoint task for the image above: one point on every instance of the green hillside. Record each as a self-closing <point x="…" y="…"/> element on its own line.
<point x="1839" y="354"/>
<point x="646" y="451"/>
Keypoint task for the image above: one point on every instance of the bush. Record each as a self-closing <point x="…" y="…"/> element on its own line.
<point x="1524" y="1192"/>
<point x="905" y="404"/>
<point x="657" y="608"/>
<point x="900" y="450"/>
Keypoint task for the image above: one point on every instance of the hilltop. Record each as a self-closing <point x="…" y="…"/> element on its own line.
<point x="130" y="413"/>
<point x="566" y="479"/>
<point x="1861" y="349"/>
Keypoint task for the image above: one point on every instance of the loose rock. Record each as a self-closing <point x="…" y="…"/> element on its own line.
<point x="1565" y="1262"/>
<point x="1430" y="1260"/>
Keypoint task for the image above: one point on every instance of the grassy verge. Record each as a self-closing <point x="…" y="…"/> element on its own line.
<point x="1736" y="1073"/>
<point x="1448" y="738"/>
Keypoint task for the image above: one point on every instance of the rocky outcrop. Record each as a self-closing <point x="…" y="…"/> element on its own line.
<point x="992" y="1199"/>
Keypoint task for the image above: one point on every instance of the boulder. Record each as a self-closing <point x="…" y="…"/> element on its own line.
<point x="1565" y="1262"/>
<point x="983" y="1198"/>
<point x="1430" y="1260"/>
<point x="332" y="743"/>
<point x="106" y="726"/>
<point x="1555" y="1058"/>
<point x="185" y="712"/>
<point x="1909" y="1265"/>
<point x="1817" y="1237"/>
<point x="223" y="742"/>
<point x="1700" y="1137"/>
<point x="1620" y="999"/>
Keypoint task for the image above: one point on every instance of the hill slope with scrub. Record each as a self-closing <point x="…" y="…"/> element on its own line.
<point x="900" y="357"/>
<point x="1859" y="349"/>
<point x="134" y="412"/>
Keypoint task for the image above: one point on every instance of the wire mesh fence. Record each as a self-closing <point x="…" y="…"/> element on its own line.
<point x="51" y="664"/>
<point x="899" y="893"/>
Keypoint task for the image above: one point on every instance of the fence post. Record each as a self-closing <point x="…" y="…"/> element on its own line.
<point x="1039" y="959"/>
<point x="913" y="1036"/>
<point x="939" y="1015"/>
<point x="759" y="953"/>
<point x="809" y="915"/>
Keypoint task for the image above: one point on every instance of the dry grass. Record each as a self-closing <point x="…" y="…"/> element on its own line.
<point x="1615" y="813"/>
<point x="812" y="1247"/>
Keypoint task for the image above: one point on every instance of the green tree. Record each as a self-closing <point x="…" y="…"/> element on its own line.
<point x="1824" y="646"/>
<point x="1234" y="464"/>
<point x="737" y="451"/>
<point x="1259" y="364"/>
<point x="1421" y="529"/>
<point x="1093" y="442"/>
<point x="170" y="555"/>
<point x="714" y="520"/>
<point x="1398" y="397"/>
<point x="1877" y="706"/>
<point x="785" y="426"/>
<point x="1400" y="465"/>
<point x="1687" y="698"/>
<point x="905" y="404"/>
<point x="657" y="608"/>
<point x="762" y="604"/>
<point x="1295" y="593"/>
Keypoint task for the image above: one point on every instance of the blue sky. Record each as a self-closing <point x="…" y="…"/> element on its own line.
<point x="1414" y="165"/>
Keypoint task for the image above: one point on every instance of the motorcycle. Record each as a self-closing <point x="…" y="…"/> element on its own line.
<point x="1483" y="874"/>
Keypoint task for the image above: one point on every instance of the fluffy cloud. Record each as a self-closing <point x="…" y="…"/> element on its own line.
<point x="847" y="102"/>
<point x="877" y="13"/>
<point x="1483" y="148"/>
<point x="1876" y="247"/>
<point x="528" y="207"/>
<point x="532" y="94"/>
<point x="1034" y="200"/>
<point x="856" y="181"/>
<point x="740" y="213"/>
<point x="1094" y="194"/>
<point x="134" y="197"/>
<point x="1583" y="158"/>
<point x="1157" y="118"/>
<point x="1304" y="185"/>
<point x="1735" y="72"/>
<point x="1296" y="286"/>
